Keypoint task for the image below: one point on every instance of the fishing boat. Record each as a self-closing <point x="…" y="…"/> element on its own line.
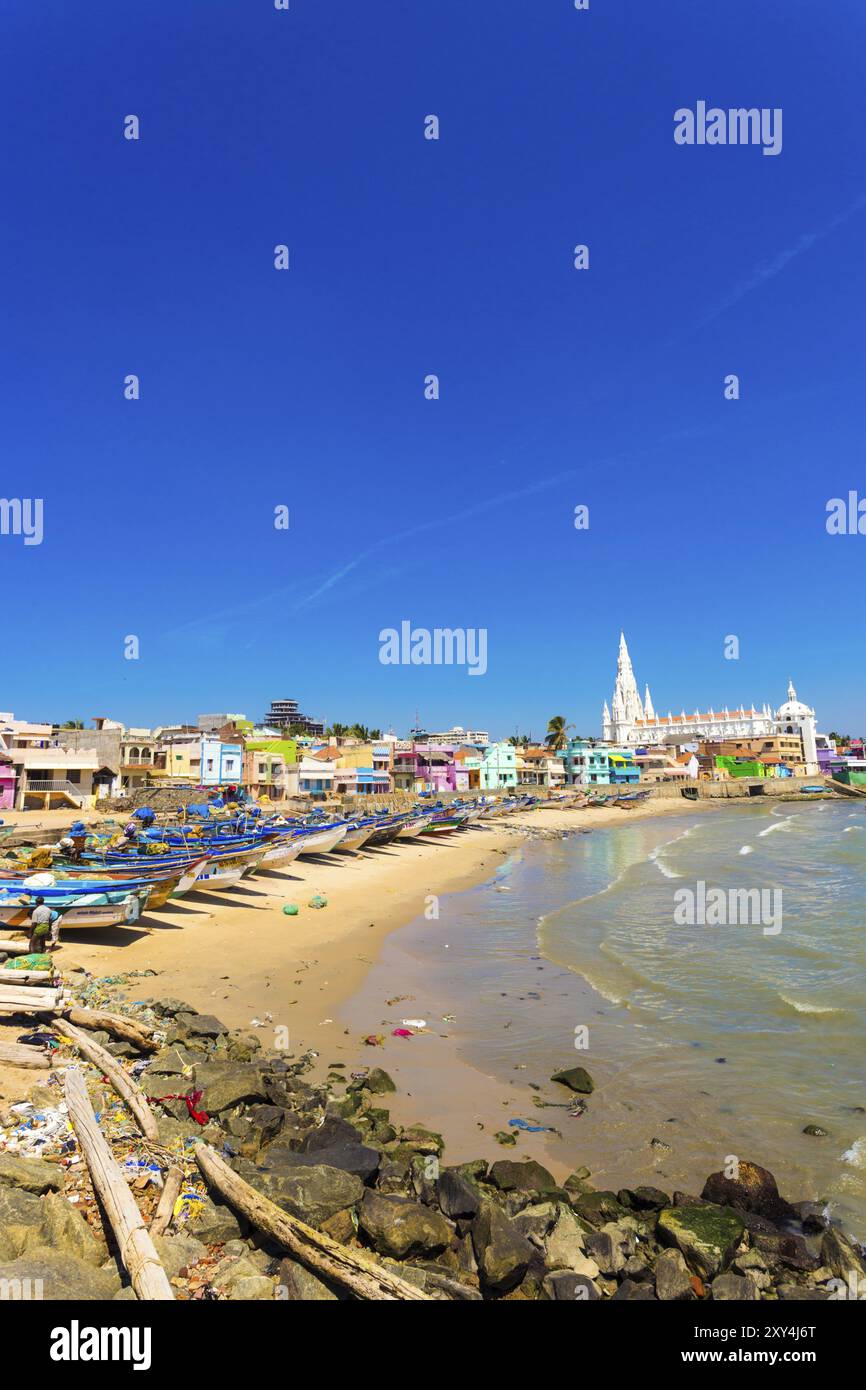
<point x="79" y="910"/>
<point x="413" y="828"/>
<point x="321" y="841"/>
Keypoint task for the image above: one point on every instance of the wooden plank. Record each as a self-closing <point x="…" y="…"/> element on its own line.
<point x="29" y="996"/>
<point x="123" y="1084"/>
<point x="17" y="1055"/>
<point x="135" y="1247"/>
<point x="353" y="1270"/>
<point x="170" y="1192"/>
<point x="26" y="977"/>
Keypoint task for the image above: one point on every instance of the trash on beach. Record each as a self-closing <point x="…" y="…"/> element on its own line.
<point x="531" y="1129"/>
<point x="317" y="900"/>
<point x="402" y="1033"/>
<point x="261" y="1022"/>
<point x="290" y="909"/>
<point x="414" y="1022"/>
<point x="374" y="1040"/>
<point x="448" y="1018"/>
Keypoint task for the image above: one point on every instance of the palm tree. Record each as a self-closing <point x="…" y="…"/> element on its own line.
<point x="360" y="731"/>
<point x="375" y="734"/>
<point x="557" y="732"/>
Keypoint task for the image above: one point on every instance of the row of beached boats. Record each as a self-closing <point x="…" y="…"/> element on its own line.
<point x="96" y="878"/>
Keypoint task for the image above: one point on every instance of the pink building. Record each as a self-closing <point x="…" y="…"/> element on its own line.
<point x="7" y="786"/>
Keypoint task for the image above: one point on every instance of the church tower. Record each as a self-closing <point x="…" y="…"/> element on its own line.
<point x="626" y="708"/>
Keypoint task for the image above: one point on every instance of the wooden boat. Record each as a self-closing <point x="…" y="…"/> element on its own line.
<point x="80" y="912"/>
<point x="321" y="841"/>
<point x="413" y="828"/>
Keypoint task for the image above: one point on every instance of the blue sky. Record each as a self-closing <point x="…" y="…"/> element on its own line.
<point x="408" y="257"/>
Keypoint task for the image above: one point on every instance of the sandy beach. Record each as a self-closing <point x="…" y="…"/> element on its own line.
<point x="237" y="955"/>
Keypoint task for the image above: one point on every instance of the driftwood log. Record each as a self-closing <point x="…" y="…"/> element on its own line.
<point x="26" y="977"/>
<point x="164" y="1212"/>
<point x="16" y="948"/>
<point x="14" y="996"/>
<point x="127" y="1029"/>
<point x="123" y="1085"/>
<point x="18" y="1055"/>
<point x="353" y="1270"/>
<point x="136" y="1249"/>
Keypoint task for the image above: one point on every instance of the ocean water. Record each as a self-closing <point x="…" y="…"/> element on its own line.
<point x="704" y="1041"/>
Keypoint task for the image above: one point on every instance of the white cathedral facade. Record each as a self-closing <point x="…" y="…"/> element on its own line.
<point x="633" y="722"/>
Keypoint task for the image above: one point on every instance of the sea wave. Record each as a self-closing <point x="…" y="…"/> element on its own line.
<point x="747" y="849"/>
<point x="807" y="1008"/>
<point x="856" y="1155"/>
<point x="780" y="825"/>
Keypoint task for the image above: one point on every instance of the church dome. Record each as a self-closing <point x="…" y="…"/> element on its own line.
<point x="793" y="709"/>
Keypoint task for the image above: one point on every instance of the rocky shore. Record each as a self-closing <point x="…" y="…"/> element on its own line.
<point x="325" y="1151"/>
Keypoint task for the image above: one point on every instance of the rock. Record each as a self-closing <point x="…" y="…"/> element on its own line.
<point x="673" y="1283"/>
<point x="172" y="1061"/>
<point x="644" y="1198"/>
<point x="563" y="1286"/>
<point x="597" y="1208"/>
<point x="60" y="1277"/>
<point x="179" y="1251"/>
<point x="631" y="1292"/>
<point x="20" y="1223"/>
<point x="840" y="1255"/>
<point x="787" y="1250"/>
<point x="605" y="1251"/>
<point x="29" y="1174"/>
<point x="421" y="1140"/>
<point x="312" y="1194"/>
<point x="565" y="1247"/>
<point x="816" y="1131"/>
<point x="355" y="1158"/>
<point x="239" y="1280"/>
<point x="503" y="1254"/>
<point x="168" y="1008"/>
<point x="226" y="1084"/>
<point x="401" y="1228"/>
<point x="200" y="1025"/>
<point x="251" y="1287"/>
<point x="266" y="1120"/>
<point x="456" y="1195"/>
<point x="214" y="1223"/>
<point x="707" y="1236"/>
<point x="730" y="1287"/>
<point x="754" y="1189"/>
<point x="537" y="1220"/>
<point x="379" y="1082"/>
<point x="801" y="1293"/>
<point x="812" y="1217"/>
<point x="296" y="1284"/>
<point x="65" y="1230"/>
<point x="509" y="1175"/>
<point x="242" y="1047"/>
<point x="576" y="1078"/>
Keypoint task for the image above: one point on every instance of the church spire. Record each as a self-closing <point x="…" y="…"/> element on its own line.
<point x="648" y="710"/>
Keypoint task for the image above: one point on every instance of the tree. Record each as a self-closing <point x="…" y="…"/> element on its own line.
<point x="360" y="731"/>
<point x="557" y="732"/>
<point x="73" y="724"/>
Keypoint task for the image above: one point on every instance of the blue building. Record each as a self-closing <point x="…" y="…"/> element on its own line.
<point x="598" y="765"/>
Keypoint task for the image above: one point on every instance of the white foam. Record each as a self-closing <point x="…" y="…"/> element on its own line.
<point x="856" y="1155"/>
<point x="747" y="849"/>
<point x="808" y="1008"/>
<point x="781" y="825"/>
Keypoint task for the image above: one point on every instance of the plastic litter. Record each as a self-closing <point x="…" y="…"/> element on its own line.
<point x="290" y="909"/>
<point x="414" y="1022"/>
<point x="317" y="900"/>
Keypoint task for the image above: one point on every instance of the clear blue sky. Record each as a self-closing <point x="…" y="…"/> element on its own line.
<point x="410" y="257"/>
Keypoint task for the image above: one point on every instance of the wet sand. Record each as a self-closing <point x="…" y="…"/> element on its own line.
<point x="237" y="955"/>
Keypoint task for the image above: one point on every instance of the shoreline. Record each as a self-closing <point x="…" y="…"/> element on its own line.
<point x="302" y="970"/>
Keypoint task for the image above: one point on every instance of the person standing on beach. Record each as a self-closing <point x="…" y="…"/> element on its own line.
<point x="44" y="928"/>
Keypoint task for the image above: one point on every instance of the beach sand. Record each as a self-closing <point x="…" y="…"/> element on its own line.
<point x="237" y="955"/>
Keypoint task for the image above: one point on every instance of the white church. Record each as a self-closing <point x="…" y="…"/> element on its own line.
<point x="632" y="722"/>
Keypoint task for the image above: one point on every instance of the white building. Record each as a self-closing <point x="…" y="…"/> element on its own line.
<point x="632" y="721"/>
